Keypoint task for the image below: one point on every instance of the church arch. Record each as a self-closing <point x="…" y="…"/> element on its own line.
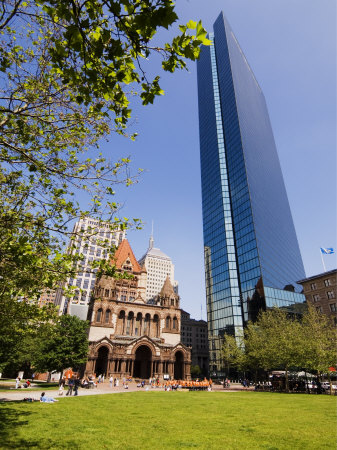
<point x="101" y="364"/>
<point x="143" y="362"/>
<point x="179" y="365"/>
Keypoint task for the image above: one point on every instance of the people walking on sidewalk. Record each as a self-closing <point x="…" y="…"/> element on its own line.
<point x="70" y="387"/>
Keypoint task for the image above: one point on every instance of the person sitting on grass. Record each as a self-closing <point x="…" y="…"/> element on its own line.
<point x="45" y="399"/>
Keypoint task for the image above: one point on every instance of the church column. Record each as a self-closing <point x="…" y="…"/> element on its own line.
<point x="187" y="371"/>
<point x="123" y="368"/>
<point x="160" y="368"/>
<point x="110" y="366"/>
<point x="93" y="364"/>
<point x="171" y="368"/>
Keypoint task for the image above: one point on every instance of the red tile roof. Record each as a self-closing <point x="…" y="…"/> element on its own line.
<point x="124" y="252"/>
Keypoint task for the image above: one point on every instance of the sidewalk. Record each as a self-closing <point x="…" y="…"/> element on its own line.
<point x="103" y="388"/>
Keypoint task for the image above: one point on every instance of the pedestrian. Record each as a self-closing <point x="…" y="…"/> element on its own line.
<point x="102" y="378"/>
<point x="70" y="387"/>
<point x="45" y="399"/>
<point x="17" y="382"/>
<point x="117" y="382"/>
<point x="33" y="376"/>
<point x="99" y="378"/>
<point x="77" y="383"/>
<point x="111" y="380"/>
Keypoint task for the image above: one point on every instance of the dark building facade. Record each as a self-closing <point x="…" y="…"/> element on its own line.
<point x="321" y="291"/>
<point x="252" y="257"/>
<point x="194" y="335"/>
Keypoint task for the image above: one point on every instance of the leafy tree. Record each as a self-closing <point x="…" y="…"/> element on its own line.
<point x="319" y="341"/>
<point x="68" y="72"/>
<point x="274" y="342"/>
<point x="61" y="345"/>
<point x="233" y="353"/>
<point x="195" y="371"/>
<point x="21" y="322"/>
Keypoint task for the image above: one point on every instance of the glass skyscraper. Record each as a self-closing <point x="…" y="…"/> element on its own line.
<point x="252" y="257"/>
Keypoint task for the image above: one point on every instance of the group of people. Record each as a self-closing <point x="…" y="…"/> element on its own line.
<point x="173" y="385"/>
<point x="73" y="384"/>
<point x="114" y="382"/>
<point x="26" y="384"/>
<point x="197" y="385"/>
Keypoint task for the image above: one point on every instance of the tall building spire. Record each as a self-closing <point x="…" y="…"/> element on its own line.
<point x="151" y="241"/>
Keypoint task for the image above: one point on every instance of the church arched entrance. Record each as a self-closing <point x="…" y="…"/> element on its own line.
<point x="143" y="360"/>
<point x="102" y="361"/>
<point x="179" y="366"/>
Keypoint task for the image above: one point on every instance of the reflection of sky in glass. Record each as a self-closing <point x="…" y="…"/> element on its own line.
<point x="249" y="234"/>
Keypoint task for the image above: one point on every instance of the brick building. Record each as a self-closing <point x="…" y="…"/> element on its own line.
<point x="321" y="291"/>
<point x="129" y="336"/>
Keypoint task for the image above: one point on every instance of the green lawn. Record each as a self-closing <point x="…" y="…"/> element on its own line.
<point x="174" y="420"/>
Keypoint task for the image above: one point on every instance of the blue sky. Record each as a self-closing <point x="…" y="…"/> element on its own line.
<point x="291" y="47"/>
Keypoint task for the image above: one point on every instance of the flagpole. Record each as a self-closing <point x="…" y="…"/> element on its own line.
<point x="322" y="260"/>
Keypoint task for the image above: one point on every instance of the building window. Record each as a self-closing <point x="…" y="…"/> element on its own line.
<point x="107" y="316"/>
<point x="175" y="323"/>
<point x="99" y="315"/>
<point x="168" y="322"/>
<point x="316" y="298"/>
<point x="106" y="292"/>
<point x="333" y="307"/>
<point x="327" y="282"/>
<point x="313" y="286"/>
<point x="330" y="294"/>
<point x="129" y="323"/>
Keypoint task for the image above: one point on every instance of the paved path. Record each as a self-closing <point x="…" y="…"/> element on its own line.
<point x="103" y="388"/>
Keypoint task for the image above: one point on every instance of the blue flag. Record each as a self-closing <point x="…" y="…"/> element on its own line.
<point x="327" y="251"/>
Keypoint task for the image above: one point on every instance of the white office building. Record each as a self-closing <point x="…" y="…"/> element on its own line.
<point x="158" y="266"/>
<point x="89" y="233"/>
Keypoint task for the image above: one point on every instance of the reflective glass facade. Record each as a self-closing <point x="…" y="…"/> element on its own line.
<point x="251" y="249"/>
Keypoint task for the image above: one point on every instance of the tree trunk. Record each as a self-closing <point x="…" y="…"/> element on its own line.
<point x="306" y="382"/>
<point x="287" y="381"/>
<point x="330" y="382"/>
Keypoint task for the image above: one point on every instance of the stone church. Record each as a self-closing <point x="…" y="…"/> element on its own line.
<point x="129" y="336"/>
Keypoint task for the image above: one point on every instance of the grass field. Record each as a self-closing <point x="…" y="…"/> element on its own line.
<point x="172" y="420"/>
